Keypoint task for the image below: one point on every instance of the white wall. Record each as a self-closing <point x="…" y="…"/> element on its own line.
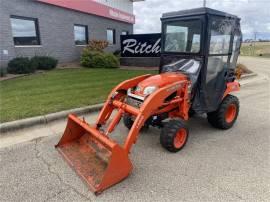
<point x="123" y="5"/>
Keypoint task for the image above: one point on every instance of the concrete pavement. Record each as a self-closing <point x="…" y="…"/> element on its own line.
<point x="215" y="165"/>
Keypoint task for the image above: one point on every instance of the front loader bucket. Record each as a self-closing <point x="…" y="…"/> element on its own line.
<point x="99" y="161"/>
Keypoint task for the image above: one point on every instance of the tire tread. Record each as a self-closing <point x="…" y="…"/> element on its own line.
<point x="168" y="133"/>
<point x="217" y="118"/>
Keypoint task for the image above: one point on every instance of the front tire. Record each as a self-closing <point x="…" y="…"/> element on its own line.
<point x="174" y="136"/>
<point x="127" y="120"/>
<point x="225" y="116"/>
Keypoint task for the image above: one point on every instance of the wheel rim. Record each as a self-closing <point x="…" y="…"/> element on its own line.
<point x="230" y="113"/>
<point x="180" y="138"/>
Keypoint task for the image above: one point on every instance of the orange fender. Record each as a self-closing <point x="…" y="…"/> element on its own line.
<point x="231" y="87"/>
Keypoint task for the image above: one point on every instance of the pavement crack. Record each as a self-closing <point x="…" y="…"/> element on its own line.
<point x="49" y="168"/>
<point x="229" y="192"/>
<point x="55" y="195"/>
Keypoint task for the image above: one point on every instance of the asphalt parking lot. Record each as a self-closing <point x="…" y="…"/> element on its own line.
<point x="215" y="165"/>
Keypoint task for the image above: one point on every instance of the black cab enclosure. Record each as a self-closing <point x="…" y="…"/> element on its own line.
<point x="203" y="43"/>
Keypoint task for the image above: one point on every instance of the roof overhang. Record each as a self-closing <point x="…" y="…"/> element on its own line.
<point x="93" y="8"/>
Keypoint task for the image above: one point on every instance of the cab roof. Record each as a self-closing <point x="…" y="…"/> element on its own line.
<point x="197" y="11"/>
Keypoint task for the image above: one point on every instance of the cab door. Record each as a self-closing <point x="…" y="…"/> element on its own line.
<point x="218" y="60"/>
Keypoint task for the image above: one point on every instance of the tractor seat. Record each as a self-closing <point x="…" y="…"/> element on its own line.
<point x="189" y="67"/>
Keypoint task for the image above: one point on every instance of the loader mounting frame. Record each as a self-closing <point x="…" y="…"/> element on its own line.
<point x="153" y="105"/>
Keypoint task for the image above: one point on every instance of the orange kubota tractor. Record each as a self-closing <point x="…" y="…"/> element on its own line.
<point x="200" y="48"/>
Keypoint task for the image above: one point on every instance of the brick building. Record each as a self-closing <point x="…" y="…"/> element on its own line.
<point x="61" y="28"/>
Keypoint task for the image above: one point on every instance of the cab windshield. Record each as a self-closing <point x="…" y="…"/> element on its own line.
<point x="183" y="36"/>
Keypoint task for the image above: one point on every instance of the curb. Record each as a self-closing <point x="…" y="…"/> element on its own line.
<point x="246" y="76"/>
<point x="20" y="76"/>
<point x="252" y="81"/>
<point x="42" y="120"/>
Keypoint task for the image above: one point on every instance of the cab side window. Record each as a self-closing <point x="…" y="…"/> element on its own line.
<point x="220" y="36"/>
<point x="236" y="49"/>
<point x="221" y="33"/>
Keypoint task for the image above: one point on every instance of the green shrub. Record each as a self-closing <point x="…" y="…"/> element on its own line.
<point x="111" y="60"/>
<point x="86" y="57"/>
<point x="43" y="62"/>
<point x="20" y="65"/>
<point x="3" y="71"/>
<point x="96" y="59"/>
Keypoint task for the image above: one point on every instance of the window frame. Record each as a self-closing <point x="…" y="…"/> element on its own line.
<point x="214" y="17"/>
<point x="114" y="36"/>
<point x="200" y="18"/>
<point x="36" y="23"/>
<point x="235" y="50"/>
<point x="127" y="32"/>
<point x="86" y="34"/>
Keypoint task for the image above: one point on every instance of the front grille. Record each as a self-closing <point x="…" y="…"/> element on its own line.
<point x="134" y="102"/>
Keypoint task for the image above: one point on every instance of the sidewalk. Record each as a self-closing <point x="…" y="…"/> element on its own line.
<point x="38" y="131"/>
<point x="45" y="119"/>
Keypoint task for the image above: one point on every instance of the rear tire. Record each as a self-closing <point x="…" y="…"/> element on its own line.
<point x="174" y="136"/>
<point x="225" y="116"/>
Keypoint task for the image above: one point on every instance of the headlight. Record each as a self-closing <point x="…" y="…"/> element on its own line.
<point x="138" y="89"/>
<point x="150" y="89"/>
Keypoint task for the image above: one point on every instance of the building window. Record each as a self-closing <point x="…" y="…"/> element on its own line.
<point x="111" y="36"/>
<point x="124" y="33"/>
<point x="81" y="34"/>
<point x="25" y="31"/>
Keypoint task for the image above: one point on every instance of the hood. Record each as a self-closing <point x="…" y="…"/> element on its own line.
<point x="161" y="80"/>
